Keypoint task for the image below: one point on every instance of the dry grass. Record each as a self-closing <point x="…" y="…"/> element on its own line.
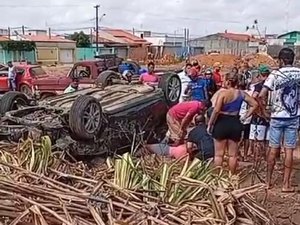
<point x="126" y="190"/>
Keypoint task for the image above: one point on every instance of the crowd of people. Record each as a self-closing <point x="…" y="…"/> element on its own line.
<point x="257" y="108"/>
<point x="254" y="109"/>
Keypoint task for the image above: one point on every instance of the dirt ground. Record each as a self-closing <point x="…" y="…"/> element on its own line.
<point x="285" y="208"/>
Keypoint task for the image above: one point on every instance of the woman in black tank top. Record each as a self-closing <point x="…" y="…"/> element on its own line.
<point x="225" y="123"/>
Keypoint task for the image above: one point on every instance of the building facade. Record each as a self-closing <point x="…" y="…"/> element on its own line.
<point x="291" y="38"/>
<point x="227" y="43"/>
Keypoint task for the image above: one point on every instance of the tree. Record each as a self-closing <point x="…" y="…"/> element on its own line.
<point x="82" y="39"/>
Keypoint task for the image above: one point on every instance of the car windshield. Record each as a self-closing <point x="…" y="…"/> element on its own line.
<point x="37" y="71"/>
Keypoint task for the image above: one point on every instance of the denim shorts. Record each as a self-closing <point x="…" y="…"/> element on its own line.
<point x="286" y="129"/>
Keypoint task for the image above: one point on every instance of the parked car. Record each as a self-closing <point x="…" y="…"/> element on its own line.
<point x="25" y="76"/>
<point x="100" y="120"/>
<point x="86" y="71"/>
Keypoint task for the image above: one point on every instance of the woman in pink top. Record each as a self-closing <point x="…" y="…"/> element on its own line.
<point x="150" y="77"/>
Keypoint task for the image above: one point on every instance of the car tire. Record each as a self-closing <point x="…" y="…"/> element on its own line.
<point x="134" y="65"/>
<point x="11" y="100"/>
<point x="170" y="84"/>
<point x="105" y="78"/>
<point x="85" y="118"/>
<point x="25" y="89"/>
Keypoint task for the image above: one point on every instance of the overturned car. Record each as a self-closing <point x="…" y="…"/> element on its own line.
<point x="96" y="120"/>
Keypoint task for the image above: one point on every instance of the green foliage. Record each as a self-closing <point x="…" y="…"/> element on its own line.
<point x="11" y="45"/>
<point x="82" y="39"/>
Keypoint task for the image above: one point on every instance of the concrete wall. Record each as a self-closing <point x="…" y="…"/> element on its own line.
<point x="48" y="53"/>
<point x="6" y="56"/>
<point x="273" y="50"/>
<point x="138" y="53"/>
<point x="224" y="46"/>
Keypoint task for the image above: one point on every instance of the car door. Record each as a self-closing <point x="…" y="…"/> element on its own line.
<point x="84" y="74"/>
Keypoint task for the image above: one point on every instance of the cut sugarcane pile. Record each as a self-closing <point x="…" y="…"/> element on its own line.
<point x="152" y="190"/>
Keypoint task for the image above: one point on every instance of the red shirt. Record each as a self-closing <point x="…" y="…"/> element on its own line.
<point x="148" y="78"/>
<point x="179" y="111"/>
<point x="217" y="78"/>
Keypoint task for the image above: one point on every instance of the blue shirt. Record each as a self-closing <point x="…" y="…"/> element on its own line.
<point x="198" y="89"/>
<point x="125" y="66"/>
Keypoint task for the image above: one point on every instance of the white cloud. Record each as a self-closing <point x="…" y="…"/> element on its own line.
<point x="202" y="17"/>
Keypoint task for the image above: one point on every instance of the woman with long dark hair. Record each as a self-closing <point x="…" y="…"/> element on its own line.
<point x="225" y="123"/>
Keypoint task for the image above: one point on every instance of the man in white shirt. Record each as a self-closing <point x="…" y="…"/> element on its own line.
<point x="11" y="79"/>
<point x="285" y="93"/>
<point x="185" y="79"/>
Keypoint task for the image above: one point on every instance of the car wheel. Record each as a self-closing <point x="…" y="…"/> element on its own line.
<point x="170" y="83"/>
<point x="13" y="100"/>
<point x="106" y="78"/>
<point x="86" y="118"/>
<point x="25" y="89"/>
<point x="134" y="65"/>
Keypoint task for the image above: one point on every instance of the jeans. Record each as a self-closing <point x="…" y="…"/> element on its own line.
<point x="286" y="128"/>
<point x="11" y="84"/>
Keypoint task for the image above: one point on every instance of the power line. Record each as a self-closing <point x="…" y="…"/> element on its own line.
<point x="40" y="6"/>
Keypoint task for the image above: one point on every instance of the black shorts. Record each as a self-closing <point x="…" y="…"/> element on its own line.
<point x="246" y="131"/>
<point x="227" y="128"/>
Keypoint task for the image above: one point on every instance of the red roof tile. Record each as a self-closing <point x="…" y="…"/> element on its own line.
<point x="3" y="38"/>
<point x="239" y="37"/>
<point x="46" y="38"/>
<point x="127" y="37"/>
<point x="105" y="37"/>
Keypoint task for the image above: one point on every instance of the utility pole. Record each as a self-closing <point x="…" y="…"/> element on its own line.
<point x="8" y="30"/>
<point x="97" y="29"/>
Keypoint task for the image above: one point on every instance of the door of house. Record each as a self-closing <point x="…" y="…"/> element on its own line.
<point x="66" y="56"/>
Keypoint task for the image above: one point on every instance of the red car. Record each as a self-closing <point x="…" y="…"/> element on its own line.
<point x="26" y="74"/>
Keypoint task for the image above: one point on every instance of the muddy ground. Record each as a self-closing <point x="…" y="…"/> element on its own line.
<point x="285" y="208"/>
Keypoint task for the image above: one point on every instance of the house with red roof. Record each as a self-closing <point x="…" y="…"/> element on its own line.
<point x="124" y="43"/>
<point x="228" y="43"/>
<point x="51" y="49"/>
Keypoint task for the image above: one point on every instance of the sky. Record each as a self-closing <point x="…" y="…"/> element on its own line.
<point x="202" y="17"/>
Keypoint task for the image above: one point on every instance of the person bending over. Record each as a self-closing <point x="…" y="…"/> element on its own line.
<point x="199" y="144"/>
<point x="179" y="118"/>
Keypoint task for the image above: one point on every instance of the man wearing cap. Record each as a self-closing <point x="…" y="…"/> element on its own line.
<point x="259" y="123"/>
<point x="217" y="75"/>
<point x="196" y="88"/>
